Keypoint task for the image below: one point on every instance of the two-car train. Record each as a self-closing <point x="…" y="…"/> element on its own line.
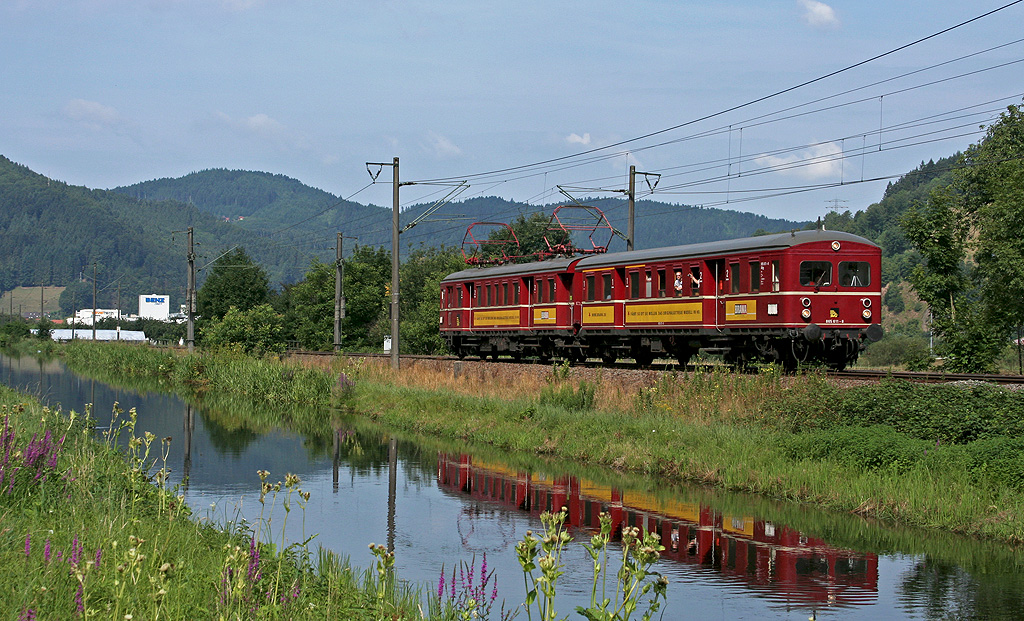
<point x="802" y="296"/>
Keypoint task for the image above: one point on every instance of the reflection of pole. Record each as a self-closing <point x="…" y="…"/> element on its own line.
<point x="337" y="457"/>
<point x="190" y="296"/>
<point x="94" y="301"/>
<point x="190" y="425"/>
<point x="392" y="484"/>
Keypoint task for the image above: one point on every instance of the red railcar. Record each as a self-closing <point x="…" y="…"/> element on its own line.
<point x="791" y="297"/>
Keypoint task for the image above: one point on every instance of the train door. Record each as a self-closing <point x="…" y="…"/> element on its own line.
<point x="526" y="299"/>
<point x="716" y="270"/>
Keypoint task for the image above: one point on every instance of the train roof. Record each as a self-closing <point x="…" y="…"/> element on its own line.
<point x="775" y="241"/>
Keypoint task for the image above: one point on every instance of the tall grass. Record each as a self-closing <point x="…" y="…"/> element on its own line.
<point x="88" y="532"/>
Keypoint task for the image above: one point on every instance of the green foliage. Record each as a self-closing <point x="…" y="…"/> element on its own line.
<point x="893" y="298"/>
<point x="235" y="281"/>
<point x="367" y="274"/>
<point x="12" y="330"/>
<point x="899" y="350"/>
<point x="255" y="331"/>
<point x="968" y="233"/>
<point x="421" y="275"/>
<point x="309" y="308"/>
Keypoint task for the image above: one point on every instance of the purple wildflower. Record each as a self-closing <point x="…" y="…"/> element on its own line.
<point x="79" y="604"/>
<point x="60" y="555"/>
<point x="254" y="561"/>
<point x="28" y="544"/>
<point x="440" y="585"/>
<point x="99" y="555"/>
<point x="46" y="551"/>
<point x="76" y="551"/>
<point x="27" y="614"/>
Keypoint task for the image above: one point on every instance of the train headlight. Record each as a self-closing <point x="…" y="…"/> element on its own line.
<point x="806" y="313"/>
<point x="835" y="246"/>
<point x="806" y="302"/>
<point x="866" y="314"/>
<point x="866" y="302"/>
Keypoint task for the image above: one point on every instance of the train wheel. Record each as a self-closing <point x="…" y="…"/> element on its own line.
<point x="608" y="357"/>
<point x="643" y="358"/>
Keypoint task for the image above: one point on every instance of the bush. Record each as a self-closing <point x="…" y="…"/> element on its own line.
<point x="869" y="448"/>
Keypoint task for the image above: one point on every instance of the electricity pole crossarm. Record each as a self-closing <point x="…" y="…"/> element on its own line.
<point x="449" y="197"/>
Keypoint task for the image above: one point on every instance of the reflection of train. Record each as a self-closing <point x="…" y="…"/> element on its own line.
<point x="764" y="556"/>
<point x="786" y="298"/>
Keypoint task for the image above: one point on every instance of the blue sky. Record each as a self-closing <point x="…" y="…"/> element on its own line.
<point x="105" y="93"/>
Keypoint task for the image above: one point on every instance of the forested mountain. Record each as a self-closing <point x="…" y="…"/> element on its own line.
<point x="52" y="232"/>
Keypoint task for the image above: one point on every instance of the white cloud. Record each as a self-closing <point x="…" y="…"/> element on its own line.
<point x="242" y="5"/>
<point x="92" y="114"/>
<point x="577" y="139"/>
<point x="443" y="147"/>
<point x="821" y="161"/>
<point x="265" y="129"/>
<point x="819" y="14"/>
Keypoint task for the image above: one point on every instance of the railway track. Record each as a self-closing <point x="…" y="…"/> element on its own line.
<point x="931" y="377"/>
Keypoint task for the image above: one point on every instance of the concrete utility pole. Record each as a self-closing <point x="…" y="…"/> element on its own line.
<point x="632" y="204"/>
<point x="631" y="195"/>
<point x="394" y="255"/>
<point x="94" y="301"/>
<point x="190" y="296"/>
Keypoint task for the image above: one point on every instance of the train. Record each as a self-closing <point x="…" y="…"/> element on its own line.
<point x="800" y="297"/>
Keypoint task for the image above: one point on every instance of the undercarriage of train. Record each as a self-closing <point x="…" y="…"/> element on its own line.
<point x="790" y="348"/>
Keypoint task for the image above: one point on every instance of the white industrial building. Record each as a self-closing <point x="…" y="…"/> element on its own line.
<point x="154" y="306"/>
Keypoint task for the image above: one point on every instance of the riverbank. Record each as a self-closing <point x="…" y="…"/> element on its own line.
<point x="87" y="530"/>
<point x="942" y="457"/>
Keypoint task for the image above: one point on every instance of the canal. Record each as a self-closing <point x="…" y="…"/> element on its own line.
<point x="728" y="556"/>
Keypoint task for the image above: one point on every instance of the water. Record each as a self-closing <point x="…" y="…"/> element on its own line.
<point x="728" y="557"/>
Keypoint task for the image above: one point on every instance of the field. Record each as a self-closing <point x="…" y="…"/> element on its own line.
<point x="25" y="301"/>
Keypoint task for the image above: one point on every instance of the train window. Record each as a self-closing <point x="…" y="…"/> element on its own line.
<point x="776" y="275"/>
<point x="755" y="276"/>
<point x="634" y="285"/>
<point x="854" y="273"/>
<point x="695" y="281"/>
<point x="607" y="289"/>
<point x="661" y="283"/>
<point x="540" y="291"/>
<point x="647" y="284"/>
<point x="488" y="300"/>
<point x="504" y="293"/>
<point x="551" y="290"/>
<point x="459" y="291"/>
<point x="734" y="277"/>
<point x="515" y="292"/>
<point x="815" y="273"/>
<point x="590" y="288"/>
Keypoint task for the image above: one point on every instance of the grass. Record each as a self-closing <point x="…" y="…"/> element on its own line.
<point x="874" y="453"/>
<point x="86" y="531"/>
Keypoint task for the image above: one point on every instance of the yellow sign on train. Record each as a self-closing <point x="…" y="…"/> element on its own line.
<point x="485" y="318"/>
<point x="666" y="312"/>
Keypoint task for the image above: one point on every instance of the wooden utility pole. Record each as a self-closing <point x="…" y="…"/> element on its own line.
<point x="339" y="291"/>
<point x="41" y="303"/>
<point x="190" y="296"/>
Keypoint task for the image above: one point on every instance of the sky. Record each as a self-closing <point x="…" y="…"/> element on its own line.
<point x="519" y="99"/>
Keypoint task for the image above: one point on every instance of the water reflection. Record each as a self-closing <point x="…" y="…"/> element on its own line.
<point x="728" y="556"/>
<point x="773" y="560"/>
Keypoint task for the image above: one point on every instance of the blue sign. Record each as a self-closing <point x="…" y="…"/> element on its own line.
<point x="155" y="300"/>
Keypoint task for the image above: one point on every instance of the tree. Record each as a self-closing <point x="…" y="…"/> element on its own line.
<point x="421" y="276"/>
<point x="309" y="308"/>
<point x="968" y="233"/>
<point x="256" y="331"/>
<point x="234" y="281"/>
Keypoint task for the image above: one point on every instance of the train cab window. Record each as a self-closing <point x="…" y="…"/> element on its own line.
<point x="854" y="273"/>
<point x="634" y="285"/>
<point x="816" y="273"/>
<point x="488" y="300"/>
<point x="551" y="290"/>
<point x="734" y="277"/>
<point x="590" y="288"/>
<point x="661" y="283"/>
<point x="755" y="276"/>
<point x="606" y="289"/>
<point x="776" y="275"/>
